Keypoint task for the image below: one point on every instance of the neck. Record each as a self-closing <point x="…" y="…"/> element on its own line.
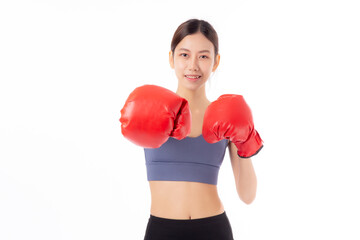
<point x="196" y="98"/>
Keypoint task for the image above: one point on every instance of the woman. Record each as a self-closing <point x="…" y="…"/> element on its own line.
<point x="182" y="170"/>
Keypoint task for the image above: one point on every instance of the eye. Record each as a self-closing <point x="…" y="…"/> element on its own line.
<point x="203" y="56"/>
<point x="183" y="54"/>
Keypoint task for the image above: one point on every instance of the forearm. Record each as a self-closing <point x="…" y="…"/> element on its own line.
<point x="247" y="182"/>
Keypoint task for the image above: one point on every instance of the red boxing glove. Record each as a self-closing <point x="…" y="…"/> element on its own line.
<point x="152" y="114"/>
<point x="229" y="117"/>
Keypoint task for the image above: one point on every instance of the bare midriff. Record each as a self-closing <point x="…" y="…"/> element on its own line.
<point x="184" y="200"/>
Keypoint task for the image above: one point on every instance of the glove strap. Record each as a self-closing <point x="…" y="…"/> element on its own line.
<point x="251" y="146"/>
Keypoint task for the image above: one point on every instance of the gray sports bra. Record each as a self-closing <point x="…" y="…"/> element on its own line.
<point x="189" y="159"/>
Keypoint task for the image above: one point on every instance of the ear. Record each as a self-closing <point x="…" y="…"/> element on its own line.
<point x="171" y="59"/>
<point x="217" y="61"/>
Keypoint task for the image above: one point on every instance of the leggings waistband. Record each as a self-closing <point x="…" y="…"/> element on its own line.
<point x="197" y="221"/>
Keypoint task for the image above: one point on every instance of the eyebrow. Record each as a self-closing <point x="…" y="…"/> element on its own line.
<point x="202" y="51"/>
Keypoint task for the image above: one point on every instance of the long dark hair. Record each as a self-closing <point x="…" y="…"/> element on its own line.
<point x="192" y="26"/>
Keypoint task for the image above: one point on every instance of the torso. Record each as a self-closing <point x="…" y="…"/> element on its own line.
<point x="185" y="200"/>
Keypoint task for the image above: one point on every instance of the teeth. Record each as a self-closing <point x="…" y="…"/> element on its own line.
<point x="193" y="76"/>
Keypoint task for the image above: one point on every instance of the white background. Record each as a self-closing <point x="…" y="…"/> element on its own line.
<point x="67" y="67"/>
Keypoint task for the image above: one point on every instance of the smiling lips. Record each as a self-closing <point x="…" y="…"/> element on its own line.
<point x="192" y="77"/>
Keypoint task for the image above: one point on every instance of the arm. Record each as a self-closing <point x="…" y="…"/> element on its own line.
<point x="229" y="117"/>
<point x="244" y="174"/>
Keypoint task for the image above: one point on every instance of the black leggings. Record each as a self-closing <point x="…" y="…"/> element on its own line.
<point x="215" y="227"/>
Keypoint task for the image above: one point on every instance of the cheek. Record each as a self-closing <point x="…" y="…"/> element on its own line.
<point x="179" y="65"/>
<point x="207" y="66"/>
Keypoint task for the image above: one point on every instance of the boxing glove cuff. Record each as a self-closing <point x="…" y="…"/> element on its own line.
<point x="251" y="146"/>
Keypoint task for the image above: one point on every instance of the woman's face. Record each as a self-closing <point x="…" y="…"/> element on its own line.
<point x="194" y="60"/>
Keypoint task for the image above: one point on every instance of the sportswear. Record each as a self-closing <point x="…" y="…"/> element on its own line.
<point x="216" y="227"/>
<point x="190" y="159"/>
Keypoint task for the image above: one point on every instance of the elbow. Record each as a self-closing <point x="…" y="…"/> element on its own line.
<point x="247" y="199"/>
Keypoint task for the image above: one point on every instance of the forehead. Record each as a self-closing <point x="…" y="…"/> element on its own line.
<point x="195" y="42"/>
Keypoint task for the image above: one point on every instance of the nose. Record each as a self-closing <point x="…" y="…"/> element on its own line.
<point x="193" y="64"/>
